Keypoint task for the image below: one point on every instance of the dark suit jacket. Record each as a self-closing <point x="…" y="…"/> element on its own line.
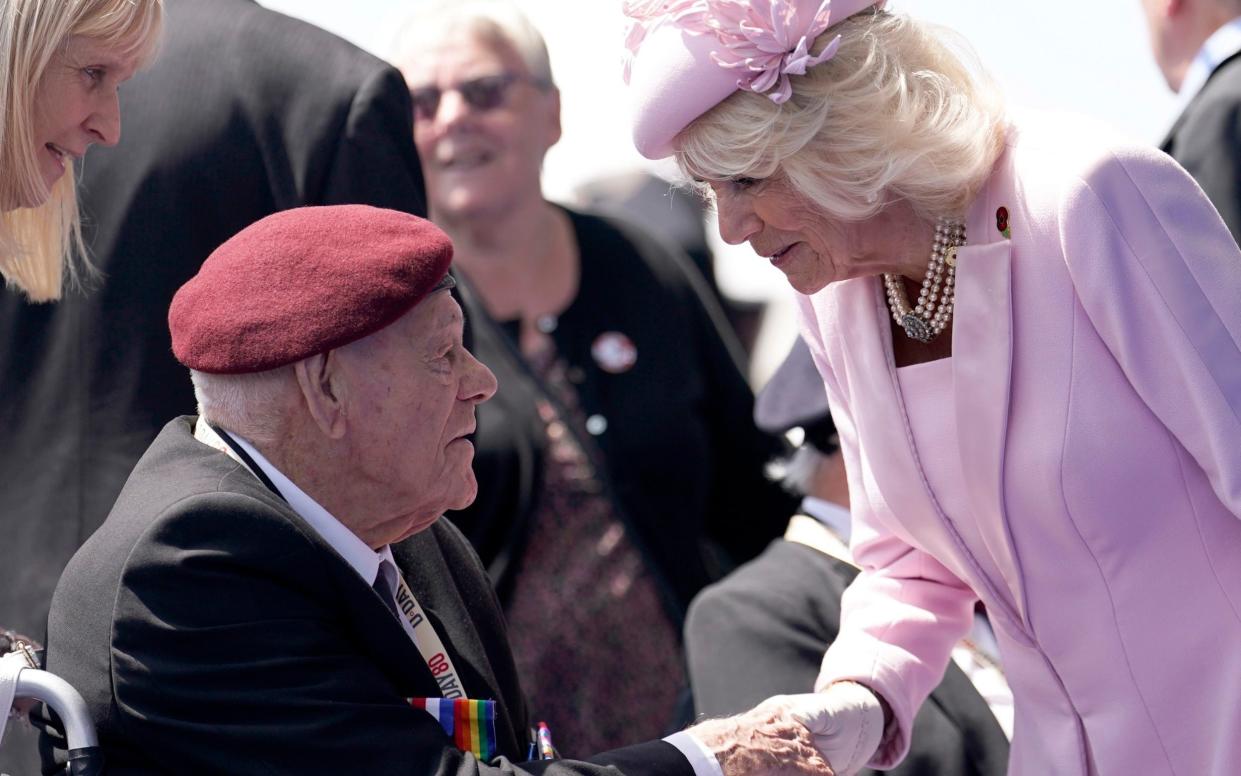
<point x="1206" y="141"/>
<point x="246" y="112"/>
<point x="763" y="631"/>
<point x="211" y="630"/>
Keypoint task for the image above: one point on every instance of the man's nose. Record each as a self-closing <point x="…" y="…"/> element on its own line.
<point x="480" y="382"/>
<point x="736" y="217"/>
<point x="452" y="108"/>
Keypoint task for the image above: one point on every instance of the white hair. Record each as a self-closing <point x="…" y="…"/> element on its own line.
<point x="496" y="22"/>
<point x="901" y="112"/>
<point x="255" y="406"/>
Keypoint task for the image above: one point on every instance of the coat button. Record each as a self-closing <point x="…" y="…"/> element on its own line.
<point x="596" y="425"/>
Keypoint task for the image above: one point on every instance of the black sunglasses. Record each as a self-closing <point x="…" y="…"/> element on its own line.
<point x="485" y="93"/>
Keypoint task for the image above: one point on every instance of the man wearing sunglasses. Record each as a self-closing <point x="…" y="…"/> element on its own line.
<point x="483" y="93"/>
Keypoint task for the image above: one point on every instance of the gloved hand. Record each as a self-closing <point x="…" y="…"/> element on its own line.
<point x="767" y="740"/>
<point x="846" y="722"/>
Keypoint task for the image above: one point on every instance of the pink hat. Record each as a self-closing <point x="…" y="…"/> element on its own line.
<point x="687" y="56"/>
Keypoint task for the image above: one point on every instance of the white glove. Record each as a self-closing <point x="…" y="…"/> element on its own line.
<point x="846" y="723"/>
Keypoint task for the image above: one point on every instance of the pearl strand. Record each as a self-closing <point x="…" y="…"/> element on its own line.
<point x="930" y="317"/>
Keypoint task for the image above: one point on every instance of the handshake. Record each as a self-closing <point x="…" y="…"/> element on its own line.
<point x="833" y="732"/>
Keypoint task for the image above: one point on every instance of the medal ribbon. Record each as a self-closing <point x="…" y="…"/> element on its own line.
<point x="470" y="723"/>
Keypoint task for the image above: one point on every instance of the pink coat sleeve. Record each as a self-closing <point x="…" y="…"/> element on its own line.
<point x="1159" y="277"/>
<point x="904" y="612"/>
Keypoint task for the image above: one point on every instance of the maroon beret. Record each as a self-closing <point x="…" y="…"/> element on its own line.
<point x="302" y="282"/>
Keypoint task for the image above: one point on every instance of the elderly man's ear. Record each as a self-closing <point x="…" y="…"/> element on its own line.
<point x="322" y="382"/>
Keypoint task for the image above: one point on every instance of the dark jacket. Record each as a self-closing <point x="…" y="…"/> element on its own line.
<point x="1206" y="141"/>
<point x="678" y="450"/>
<point x="245" y="112"/>
<point x="211" y="630"/>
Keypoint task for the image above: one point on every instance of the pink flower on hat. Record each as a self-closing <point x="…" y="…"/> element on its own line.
<point x="764" y="41"/>
<point x="644" y="15"/>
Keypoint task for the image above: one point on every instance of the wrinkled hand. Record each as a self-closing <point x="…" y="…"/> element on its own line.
<point x="846" y="722"/>
<point x="768" y="739"/>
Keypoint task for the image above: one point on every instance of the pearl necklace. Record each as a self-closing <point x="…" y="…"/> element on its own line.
<point x="934" y="309"/>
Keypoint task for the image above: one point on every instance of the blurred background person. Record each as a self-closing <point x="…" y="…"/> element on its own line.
<point x="1029" y="335"/>
<point x="246" y="112"/>
<point x="1196" y="43"/>
<point x="676" y="214"/>
<point x="619" y="445"/>
<point x="762" y="631"/>
<point x="61" y="65"/>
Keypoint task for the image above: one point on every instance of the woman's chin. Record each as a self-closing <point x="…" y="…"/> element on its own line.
<point x="806" y="285"/>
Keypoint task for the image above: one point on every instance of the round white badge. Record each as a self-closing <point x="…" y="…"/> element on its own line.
<point x="614" y="352"/>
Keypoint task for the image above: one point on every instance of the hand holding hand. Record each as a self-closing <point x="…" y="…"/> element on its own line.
<point x="768" y="739"/>
<point x="846" y="722"/>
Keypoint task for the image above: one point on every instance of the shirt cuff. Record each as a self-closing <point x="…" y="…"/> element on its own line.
<point x="700" y="758"/>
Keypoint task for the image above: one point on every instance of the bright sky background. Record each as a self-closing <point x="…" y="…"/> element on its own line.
<point x="1085" y="56"/>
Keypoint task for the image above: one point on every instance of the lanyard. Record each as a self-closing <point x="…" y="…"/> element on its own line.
<point x="427" y="641"/>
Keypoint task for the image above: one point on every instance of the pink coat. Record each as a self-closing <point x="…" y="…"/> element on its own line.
<point x="1097" y="385"/>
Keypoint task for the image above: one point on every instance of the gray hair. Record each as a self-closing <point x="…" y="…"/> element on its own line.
<point x="254" y="406"/>
<point x="492" y="21"/>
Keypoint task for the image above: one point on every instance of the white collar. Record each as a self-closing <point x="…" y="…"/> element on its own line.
<point x="834" y="516"/>
<point x="356" y="553"/>
<point x="1223" y="43"/>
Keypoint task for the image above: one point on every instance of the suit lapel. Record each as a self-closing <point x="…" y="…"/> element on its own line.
<point x="982" y="344"/>
<point x="982" y="367"/>
<point x="871" y="375"/>
<point x="431" y="582"/>
<point x="380" y="634"/>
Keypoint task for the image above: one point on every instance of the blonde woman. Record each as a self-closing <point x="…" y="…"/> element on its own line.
<point x="61" y="63"/>
<point x="1029" y="336"/>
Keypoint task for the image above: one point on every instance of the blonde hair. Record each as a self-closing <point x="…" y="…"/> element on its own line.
<point x="495" y="22"/>
<point x="902" y="111"/>
<point x="37" y="243"/>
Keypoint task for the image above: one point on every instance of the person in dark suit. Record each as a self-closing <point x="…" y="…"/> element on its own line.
<point x="245" y="113"/>
<point x="764" y="629"/>
<point x="1197" y="44"/>
<point x="274" y="591"/>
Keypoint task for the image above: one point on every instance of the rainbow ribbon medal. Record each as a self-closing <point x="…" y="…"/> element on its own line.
<point x="471" y="724"/>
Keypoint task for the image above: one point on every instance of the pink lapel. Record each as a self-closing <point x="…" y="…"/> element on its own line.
<point x="982" y="343"/>
<point x="869" y="377"/>
<point x="982" y="356"/>
<point x="982" y="361"/>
